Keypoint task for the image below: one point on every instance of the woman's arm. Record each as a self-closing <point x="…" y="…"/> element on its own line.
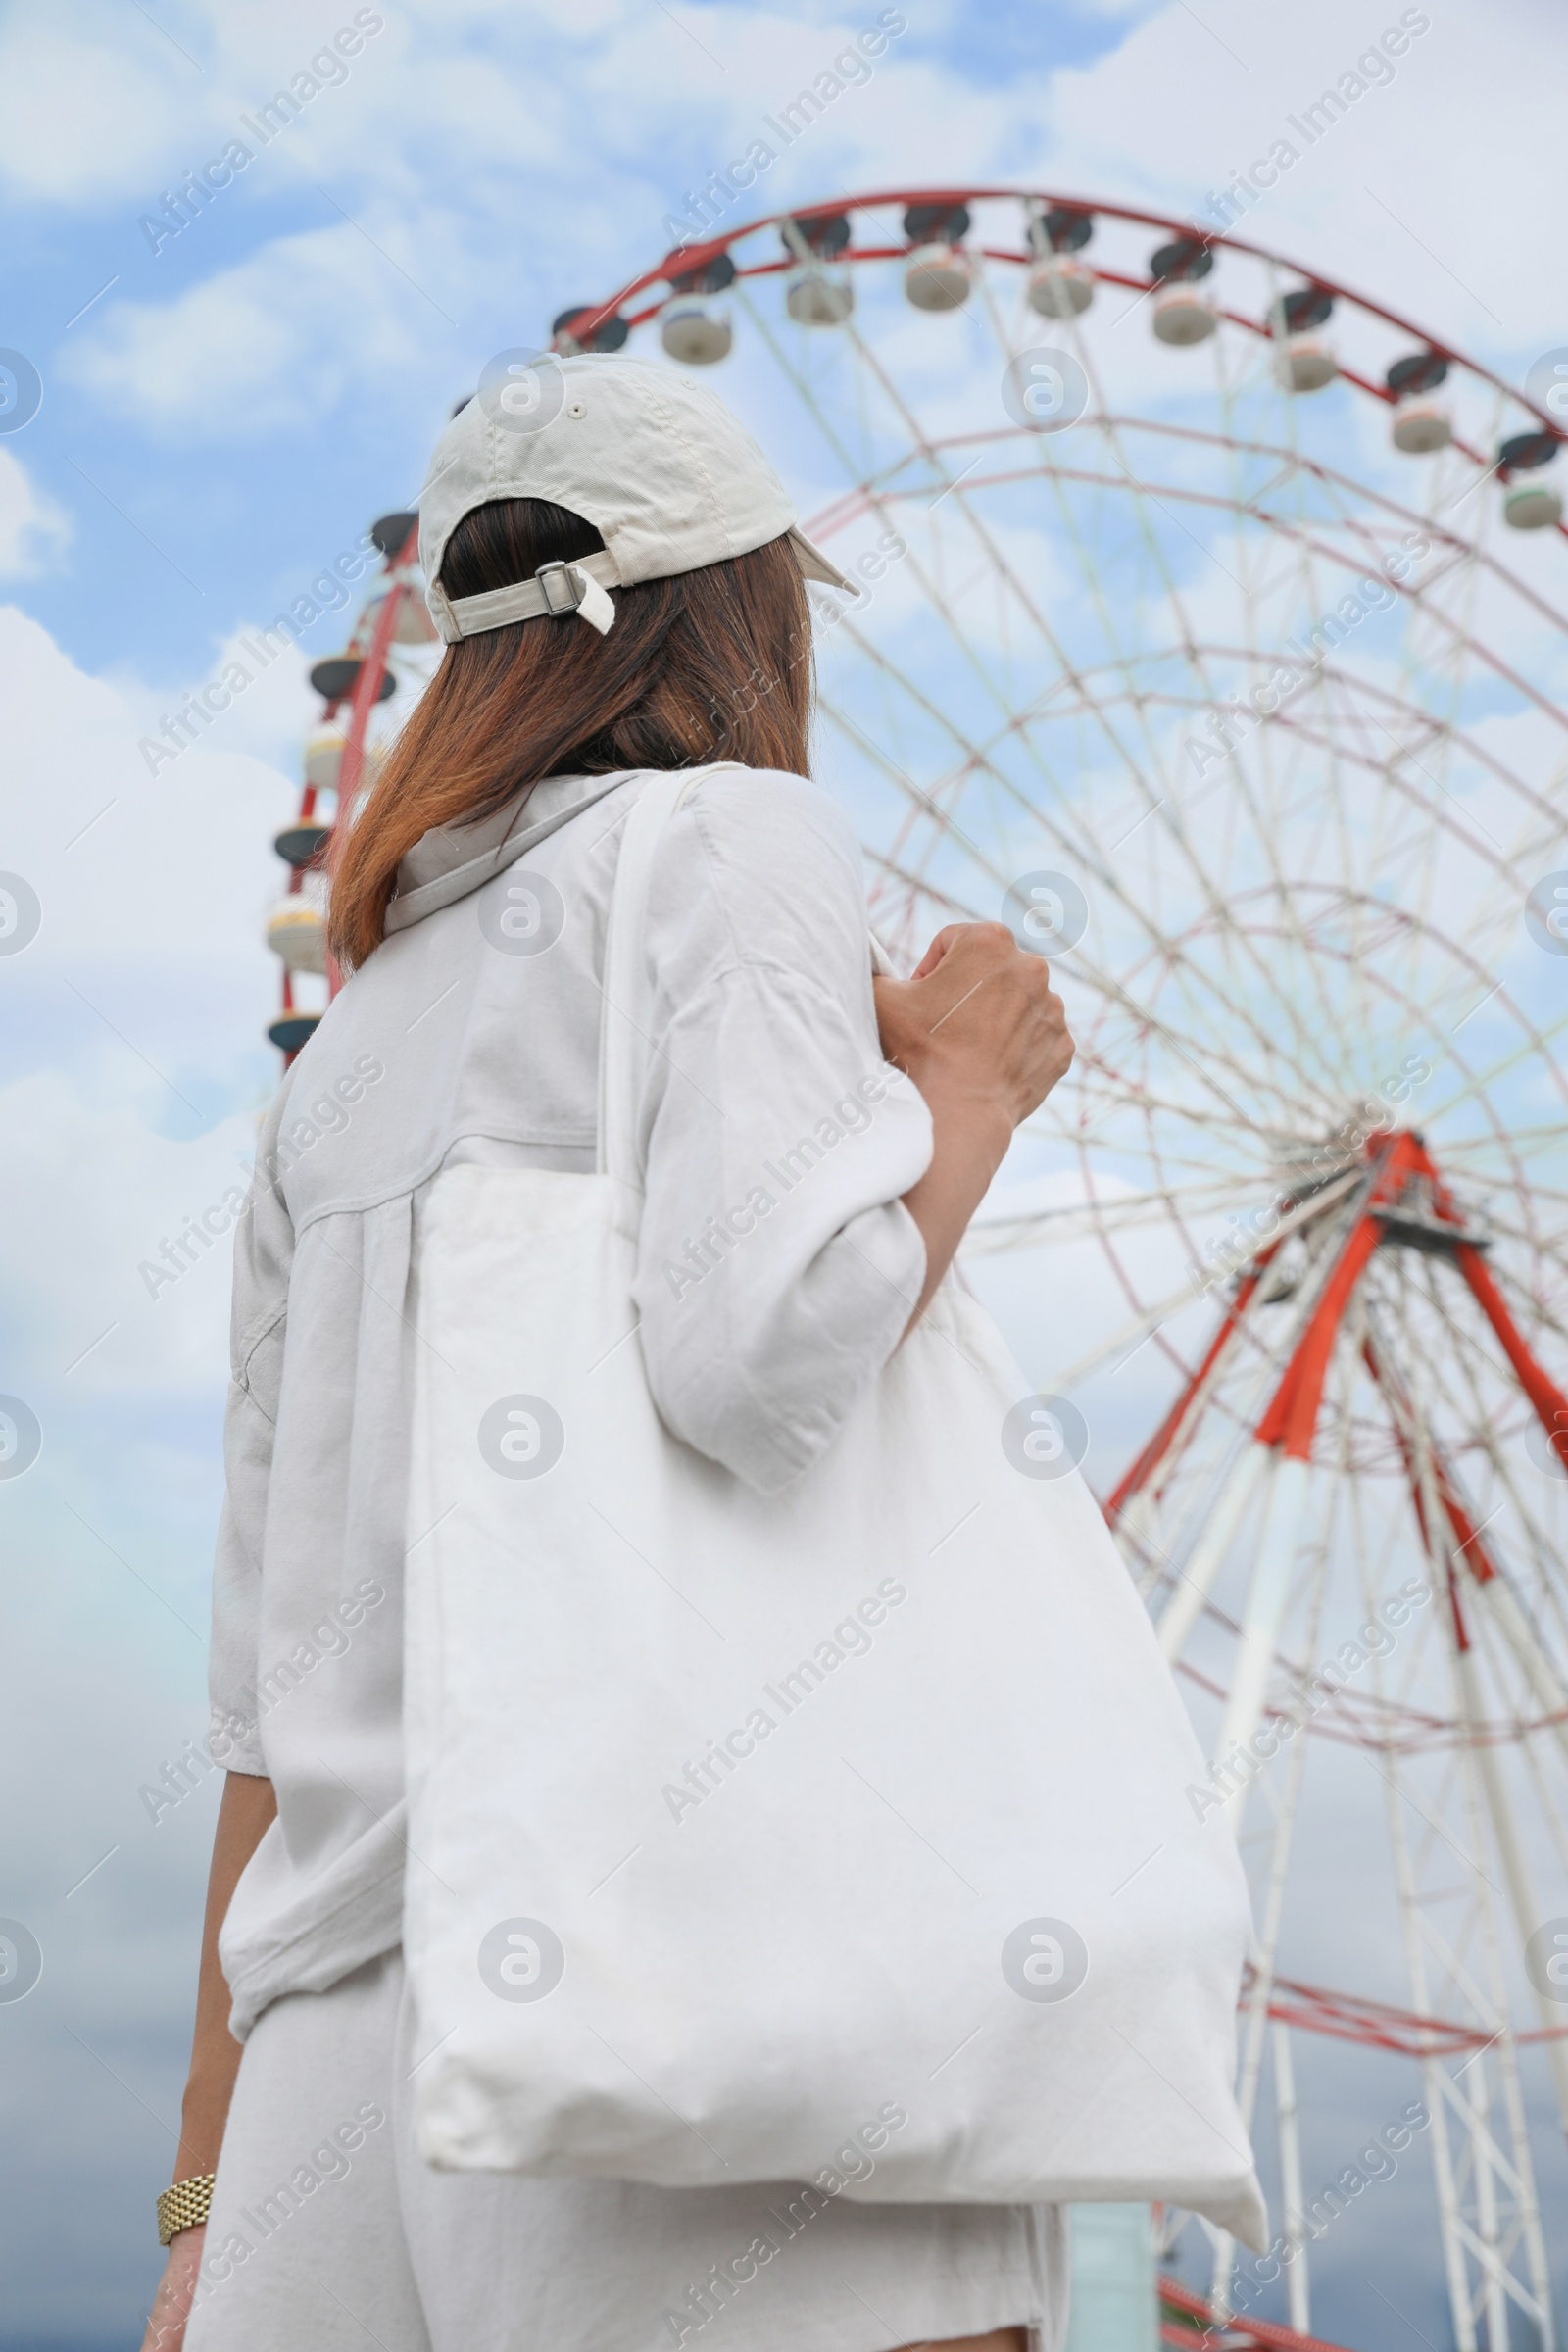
<point x="776" y="1265"/>
<point x="985" y="1039"/>
<point x="244" y="1815"/>
<point x="246" y="1812"/>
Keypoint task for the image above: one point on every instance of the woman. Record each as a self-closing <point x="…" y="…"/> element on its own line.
<point x="469" y="1033"/>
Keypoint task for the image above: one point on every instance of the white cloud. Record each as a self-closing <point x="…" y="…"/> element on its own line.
<point x="78" y="114"/>
<point x="127" y="867"/>
<point x="266" y="346"/>
<point x="108" y="105"/>
<point x="1377" y="202"/>
<point x="144" y="998"/>
<point x="33" y="527"/>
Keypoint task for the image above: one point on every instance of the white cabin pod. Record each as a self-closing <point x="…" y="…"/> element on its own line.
<point x="1306" y="362"/>
<point x="1180" y="315"/>
<point x="1529" y="501"/>
<point x="1061" y="287"/>
<point x="695" y="329"/>
<point x="1532" y="504"/>
<point x="323" y="756"/>
<point x="1421" y="422"/>
<point x="938" y="277"/>
<point x="412" y="625"/>
<point x="1421" y="425"/>
<point x="296" y="931"/>
<point x="817" y="297"/>
<point x="817" y="294"/>
<point x="1184" y="315"/>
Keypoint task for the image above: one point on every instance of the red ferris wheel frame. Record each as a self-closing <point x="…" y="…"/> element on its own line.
<point x="690" y="260"/>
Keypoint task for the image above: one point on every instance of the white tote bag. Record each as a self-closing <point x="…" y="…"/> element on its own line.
<point x="835" y="1837"/>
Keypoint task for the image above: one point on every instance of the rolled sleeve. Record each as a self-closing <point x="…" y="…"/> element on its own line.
<point x="777" y="1263"/>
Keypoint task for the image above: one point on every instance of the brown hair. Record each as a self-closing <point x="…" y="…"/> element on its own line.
<point x="710" y="664"/>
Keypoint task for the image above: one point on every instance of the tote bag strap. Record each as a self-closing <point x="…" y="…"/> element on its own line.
<point x="624" y="1041"/>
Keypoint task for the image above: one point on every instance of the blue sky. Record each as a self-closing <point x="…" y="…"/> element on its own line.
<point x="533" y="168"/>
<point x="220" y="419"/>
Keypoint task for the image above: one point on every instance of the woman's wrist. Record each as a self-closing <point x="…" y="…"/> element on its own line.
<point x="202" y="2115"/>
<point x="971" y="1130"/>
<point x="184" y="2206"/>
<point x="244" y="1815"/>
<point x="972" y="1116"/>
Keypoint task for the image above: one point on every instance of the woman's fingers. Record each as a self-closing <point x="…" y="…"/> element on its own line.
<point x="937" y="949"/>
<point x="166" y="2324"/>
<point x="982" y="1013"/>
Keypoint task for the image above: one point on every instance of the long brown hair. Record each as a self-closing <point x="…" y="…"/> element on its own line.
<point x="710" y="664"/>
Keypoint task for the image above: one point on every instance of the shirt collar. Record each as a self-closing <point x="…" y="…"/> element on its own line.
<point x="451" y="861"/>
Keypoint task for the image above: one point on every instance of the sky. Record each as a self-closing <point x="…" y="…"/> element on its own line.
<point x="223" y="412"/>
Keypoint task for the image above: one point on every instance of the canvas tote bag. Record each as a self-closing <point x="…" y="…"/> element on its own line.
<point x="837" y="1836"/>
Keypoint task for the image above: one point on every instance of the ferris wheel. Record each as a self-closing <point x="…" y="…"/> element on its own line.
<point x="1212" y="632"/>
<point x="393" y="644"/>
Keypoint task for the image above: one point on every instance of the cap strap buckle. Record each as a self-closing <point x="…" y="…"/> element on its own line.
<point x="572" y="588"/>
<point x="556" y="590"/>
<point x="562" y="586"/>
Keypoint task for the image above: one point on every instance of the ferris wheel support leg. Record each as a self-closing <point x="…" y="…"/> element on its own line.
<point x="1492" y="1588"/>
<point x="1493" y="2293"/>
<point x="1527" y="1911"/>
<point x="1265" y="1611"/>
<point x="1434" y="2079"/>
<point x="1135" y="1528"/>
<point x="1480" y="2237"/>
<point x="1548" y="1401"/>
<point x="1291" y="2195"/>
<point x="1186" y="1603"/>
<point x="1156" y="1455"/>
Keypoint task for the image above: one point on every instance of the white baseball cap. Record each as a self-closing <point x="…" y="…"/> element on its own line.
<point x="654" y="461"/>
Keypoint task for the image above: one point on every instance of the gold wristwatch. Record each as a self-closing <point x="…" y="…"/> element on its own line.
<point x="184" y="2205"/>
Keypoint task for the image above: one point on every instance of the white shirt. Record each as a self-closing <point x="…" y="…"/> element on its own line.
<point x="778" y="1266"/>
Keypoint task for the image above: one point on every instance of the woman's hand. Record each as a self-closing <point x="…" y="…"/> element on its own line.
<point x="166" y="2324"/>
<point x="984" y="1037"/>
<point x="980" y="1022"/>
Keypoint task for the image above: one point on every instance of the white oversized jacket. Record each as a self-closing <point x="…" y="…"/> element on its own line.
<point x="778" y="1265"/>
